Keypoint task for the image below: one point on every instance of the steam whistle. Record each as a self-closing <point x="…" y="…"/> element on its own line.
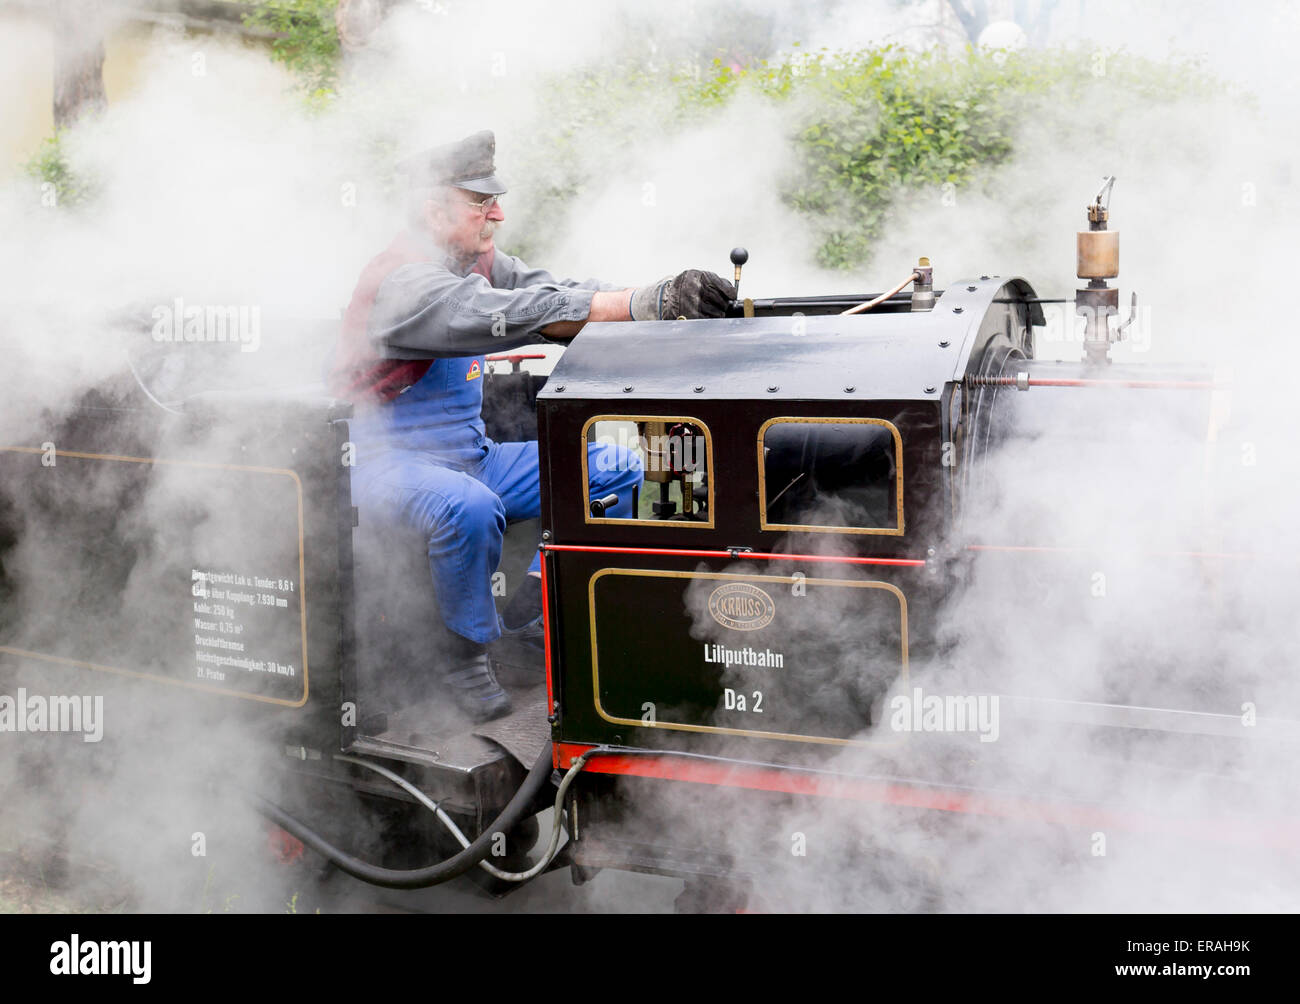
<point x="738" y="258"/>
<point x="1098" y="260"/>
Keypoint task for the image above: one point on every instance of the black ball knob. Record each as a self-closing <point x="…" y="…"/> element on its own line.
<point x="739" y="256"/>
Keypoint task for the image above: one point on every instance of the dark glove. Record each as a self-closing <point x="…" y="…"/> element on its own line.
<point x="693" y="293"/>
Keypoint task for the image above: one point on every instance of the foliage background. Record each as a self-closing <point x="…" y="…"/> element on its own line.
<point x="874" y="131"/>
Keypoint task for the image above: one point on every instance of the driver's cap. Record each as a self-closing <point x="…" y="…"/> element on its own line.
<point x="467" y="163"/>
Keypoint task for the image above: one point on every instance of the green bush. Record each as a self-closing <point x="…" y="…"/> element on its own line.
<point x="307" y="41"/>
<point x="880" y="126"/>
<point x="49" y="166"/>
<point x="873" y="129"/>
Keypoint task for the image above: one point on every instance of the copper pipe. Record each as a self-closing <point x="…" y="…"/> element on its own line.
<point x="881" y="298"/>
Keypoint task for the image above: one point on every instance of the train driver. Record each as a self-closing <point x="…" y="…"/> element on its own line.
<point x="411" y="358"/>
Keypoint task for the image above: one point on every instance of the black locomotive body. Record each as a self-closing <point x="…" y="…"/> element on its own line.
<point x="801" y="528"/>
<point x="827" y="494"/>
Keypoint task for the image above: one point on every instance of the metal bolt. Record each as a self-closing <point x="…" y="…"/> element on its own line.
<point x="956" y="310"/>
<point x="985" y="278"/>
<point x="546" y="535"/>
<point x="773" y="389"/>
<point x="627" y="390"/>
<point x="699" y="389"/>
<point x="560" y="389"/>
<point x="929" y="390"/>
<point x="930" y="552"/>
<point x="849" y="389"/>
<point x="970" y="289"/>
<point x="944" y="344"/>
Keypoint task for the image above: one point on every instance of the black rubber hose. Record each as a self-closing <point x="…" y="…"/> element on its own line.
<point x="418" y="878"/>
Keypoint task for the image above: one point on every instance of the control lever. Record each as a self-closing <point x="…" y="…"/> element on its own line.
<point x="598" y="506"/>
<point x="738" y="258"/>
<point x="1132" y="316"/>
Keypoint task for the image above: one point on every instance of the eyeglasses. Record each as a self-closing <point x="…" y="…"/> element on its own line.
<point x="486" y="205"/>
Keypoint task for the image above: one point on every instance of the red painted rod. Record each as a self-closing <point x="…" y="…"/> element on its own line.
<point x="679" y="553"/>
<point x="1088" y="550"/>
<point x="1274" y="832"/>
<point x="1136" y="384"/>
<point x="546" y="642"/>
<point x="1010" y="381"/>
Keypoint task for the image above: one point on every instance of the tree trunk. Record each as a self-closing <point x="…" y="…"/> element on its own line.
<point x="973" y="19"/>
<point x="78" y="61"/>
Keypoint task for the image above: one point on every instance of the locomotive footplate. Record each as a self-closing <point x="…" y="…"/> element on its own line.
<point x="476" y="768"/>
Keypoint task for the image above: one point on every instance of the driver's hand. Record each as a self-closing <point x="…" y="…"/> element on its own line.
<point x="694" y="293"/>
<point x="690" y="294"/>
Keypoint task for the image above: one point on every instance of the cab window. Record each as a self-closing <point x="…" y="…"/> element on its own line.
<point x="831" y="474"/>
<point x="674" y="455"/>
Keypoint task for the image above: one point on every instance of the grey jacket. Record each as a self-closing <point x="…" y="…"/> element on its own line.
<point x="429" y="310"/>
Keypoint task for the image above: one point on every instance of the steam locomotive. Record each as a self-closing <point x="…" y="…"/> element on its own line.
<point x="820" y="473"/>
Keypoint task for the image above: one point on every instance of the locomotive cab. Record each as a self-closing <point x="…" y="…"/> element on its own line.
<point x="795" y="496"/>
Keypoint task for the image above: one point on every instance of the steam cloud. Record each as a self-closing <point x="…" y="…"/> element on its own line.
<point x="218" y="187"/>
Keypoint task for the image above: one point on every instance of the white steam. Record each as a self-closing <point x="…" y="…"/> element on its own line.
<point x="217" y="185"/>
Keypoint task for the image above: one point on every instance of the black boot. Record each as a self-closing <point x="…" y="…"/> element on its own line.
<point x="519" y="654"/>
<point x="525" y="607"/>
<point x="473" y="686"/>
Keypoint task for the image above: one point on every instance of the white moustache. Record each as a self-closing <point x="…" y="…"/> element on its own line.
<point x="488" y="230"/>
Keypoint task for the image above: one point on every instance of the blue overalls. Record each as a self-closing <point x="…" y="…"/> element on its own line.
<point x="424" y="460"/>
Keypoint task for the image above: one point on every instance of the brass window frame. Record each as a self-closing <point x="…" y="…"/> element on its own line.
<point x="675" y="523"/>
<point x="764" y="524"/>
